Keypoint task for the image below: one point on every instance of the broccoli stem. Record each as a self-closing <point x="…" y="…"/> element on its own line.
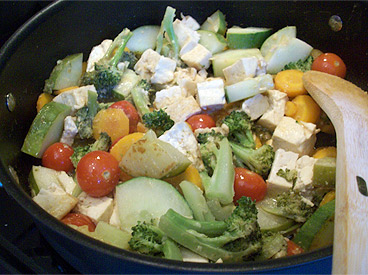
<point x="140" y="100"/>
<point x="221" y="185"/>
<point x="167" y="26"/>
<point x="171" y="250"/>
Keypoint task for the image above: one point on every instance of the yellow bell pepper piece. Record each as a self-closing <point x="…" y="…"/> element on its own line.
<point x="42" y="100"/>
<point x="65" y="89"/>
<point x="323" y="152"/>
<point x="190" y="174"/>
<point x="328" y="197"/>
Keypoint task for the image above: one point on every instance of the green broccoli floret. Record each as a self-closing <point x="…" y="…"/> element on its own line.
<point x="239" y="240"/>
<point x="293" y="206"/>
<point x="83" y="122"/>
<point x="158" y="120"/>
<point x="106" y="74"/>
<point x="220" y="186"/>
<point x="129" y="57"/>
<point x="288" y="175"/>
<point x="208" y="144"/>
<point x="148" y="239"/>
<point x="301" y="65"/>
<point x="257" y="160"/>
<point x="103" y="143"/>
<point x="240" y="129"/>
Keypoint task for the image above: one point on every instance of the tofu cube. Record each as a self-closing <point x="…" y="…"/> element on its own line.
<point x="97" y="53"/>
<point x="70" y="131"/>
<point x="243" y="68"/>
<point x="183" y="108"/>
<point x="168" y="96"/>
<point x="164" y="71"/>
<point x="198" y="57"/>
<point x="211" y="94"/>
<point x="190" y="22"/>
<point x="115" y="219"/>
<point x="283" y="160"/>
<point x="55" y="201"/>
<point x="66" y="182"/>
<point x="182" y="138"/>
<point x="256" y="106"/>
<point x="98" y="209"/>
<point x="183" y="33"/>
<point x="272" y="117"/>
<point x="75" y="98"/>
<point x="304" y="166"/>
<point x="146" y="65"/>
<point x="295" y="136"/>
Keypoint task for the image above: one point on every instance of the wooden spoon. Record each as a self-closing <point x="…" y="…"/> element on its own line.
<point x="347" y="107"/>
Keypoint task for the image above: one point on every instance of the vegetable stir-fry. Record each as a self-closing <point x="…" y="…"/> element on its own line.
<point x="188" y="141"/>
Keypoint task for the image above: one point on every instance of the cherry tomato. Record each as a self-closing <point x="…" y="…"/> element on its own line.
<point x="79" y="220"/>
<point x="248" y="184"/>
<point x="130" y="112"/>
<point x="330" y="63"/>
<point x="57" y="157"/>
<point x="293" y="248"/>
<point x="201" y="121"/>
<point x="98" y="173"/>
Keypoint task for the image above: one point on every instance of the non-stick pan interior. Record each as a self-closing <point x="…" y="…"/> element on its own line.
<point x="68" y="27"/>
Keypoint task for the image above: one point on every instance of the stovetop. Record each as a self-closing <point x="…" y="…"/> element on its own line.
<point x="23" y="249"/>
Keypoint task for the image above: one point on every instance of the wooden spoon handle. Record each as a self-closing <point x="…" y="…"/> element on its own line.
<point x="347" y="107"/>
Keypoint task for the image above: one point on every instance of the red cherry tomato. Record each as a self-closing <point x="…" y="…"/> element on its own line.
<point x="57" y="157"/>
<point x="248" y="184"/>
<point x="330" y="63"/>
<point x="79" y="220"/>
<point x="130" y="112"/>
<point x="293" y="248"/>
<point x="201" y="121"/>
<point x="98" y="173"/>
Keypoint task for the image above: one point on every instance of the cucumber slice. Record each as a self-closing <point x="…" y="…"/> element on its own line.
<point x="248" y="88"/>
<point x="112" y="235"/>
<point x="294" y="50"/>
<point x="215" y="23"/>
<point x="127" y="82"/>
<point x="324" y="172"/>
<point x="281" y="37"/>
<point x="197" y="202"/>
<point x="143" y="38"/>
<point x="273" y="223"/>
<point x="313" y="225"/>
<point x="227" y="58"/>
<point x="42" y="177"/>
<point x="151" y="157"/>
<point x="46" y="128"/>
<point x="245" y="38"/>
<point x="212" y="41"/>
<point x="66" y="73"/>
<point x="143" y="199"/>
<point x="325" y="235"/>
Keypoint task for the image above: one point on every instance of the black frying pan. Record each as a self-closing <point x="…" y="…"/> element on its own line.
<point x="67" y="27"/>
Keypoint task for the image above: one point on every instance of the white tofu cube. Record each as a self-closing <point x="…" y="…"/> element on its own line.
<point x="164" y="71"/>
<point x="283" y="160"/>
<point x="211" y="94"/>
<point x="97" y="53"/>
<point x="66" y="182"/>
<point x="183" y="108"/>
<point x="188" y="46"/>
<point x="198" y="57"/>
<point x="187" y="79"/>
<point x="243" y="68"/>
<point x="182" y="138"/>
<point x="183" y="33"/>
<point x="115" y="219"/>
<point x="190" y="22"/>
<point x="256" y="106"/>
<point x="272" y="117"/>
<point x="55" y="201"/>
<point x="304" y="166"/>
<point x="146" y="65"/>
<point x="98" y="209"/>
<point x="70" y="131"/>
<point x="168" y="96"/>
<point x="296" y="136"/>
<point x="76" y="98"/>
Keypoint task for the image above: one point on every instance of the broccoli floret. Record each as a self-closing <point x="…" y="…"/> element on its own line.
<point x="129" y="57"/>
<point x="263" y="133"/>
<point x="148" y="239"/>
<point x="240" y="129"/>
<point x="103" y="143"/>
<point x="208" y="144"/>
<point x="106" y="74"/>
<point x="293" y="206"/>
<point x="158" y="120"/>
<point x="288" y="175"/>
<point x="301" y="65"/>
<point x="220" y="186"/>
<point x="84" y="123"/>
<point x="238" y="238"/>
<point x="257" y="160"/>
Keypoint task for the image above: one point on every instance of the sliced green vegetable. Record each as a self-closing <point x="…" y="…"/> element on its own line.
<point x="66" y="73"/>
<point x="143" y="38"/>
<point x="324" y="172"/>
<point x="281" y="37"/>
<point x="143" y="199"/>
<point x="46" y="128"/>
<point x="245" y="38"/>
<point x="215" y="23"/>
<point x="214" y="42"/>
<point x="112" y="235"/>
<point x="273" y="223"/>
<point x="313" y="225"/>
<point x="128" y="81"/>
